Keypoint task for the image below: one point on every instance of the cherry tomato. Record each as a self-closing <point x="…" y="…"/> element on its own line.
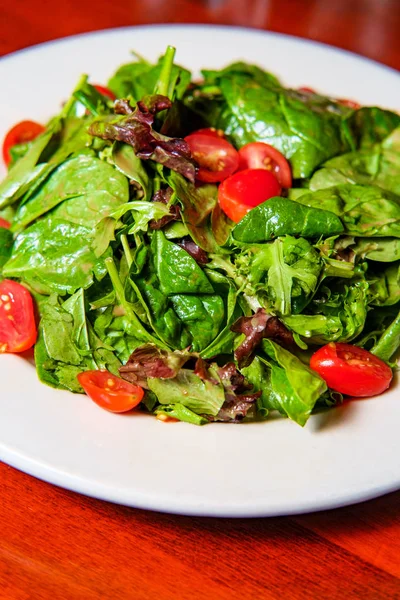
<point x="105" y="91"/>
<point x="349" y="103"/>
<point x="216" y="157"/>
<point x="307" y="90"/>
<point x="17" y="318"/>
<point x="110" y="392"/>
<point x="216" y="133"/>
<point x="22" y="132"/>
<point x="351" y="370"/>
<point x="258" y="155"/>
<point x="5" y="224"/>
<point x="246" y="189"/>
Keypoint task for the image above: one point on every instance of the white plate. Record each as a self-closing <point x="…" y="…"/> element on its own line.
<point x="346" y="455"/>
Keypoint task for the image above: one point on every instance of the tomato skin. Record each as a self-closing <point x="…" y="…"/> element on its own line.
<point x="25" y="131"/>
<point x="110" y="392"/>
<point x="102" y="89"/>
<point x="211" y="131"/>
<point x="246" y="189"/>
<point x="17" y="318"/>
<point x="307" y="90"/>
<point x="217" y="158"/>
<point x="349" y="103"/>
<point x="351" y="370"/>
<point x="258" y="155"/>
<point x="5" y="224"/>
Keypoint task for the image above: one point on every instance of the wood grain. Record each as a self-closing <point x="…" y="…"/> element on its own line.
<point x="369" y="27"/>
<point x="59" y="545"/>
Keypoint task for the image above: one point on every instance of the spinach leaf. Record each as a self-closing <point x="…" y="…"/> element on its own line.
<point x="253" y="108"/>
<point x="55" y="255"/>
<point x="287" y="384"/>
<point x="213" y="77"/>
<point x="280" y="216"/>
<point x="26" y="170"/>
<point x="378" y="165"/>
<point x="177" y="271"/>
<point x="364" y="210"/>
<point x="84" y="189"/>
<point x="371" y="125"/>
<point x="202" y="315"/>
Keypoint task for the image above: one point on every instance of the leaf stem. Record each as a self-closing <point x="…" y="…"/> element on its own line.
<point x="140" y="331"/>
<point x="71" y="101"/>
<point x="162" y="85"/>
<point x="389" y="341"/>
<point x="127" y="250"/>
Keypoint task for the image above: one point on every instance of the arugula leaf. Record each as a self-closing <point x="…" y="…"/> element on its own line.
<point x="283" y="274"/>
<point x="67" y="344"/>
<point x="281" y="216"/>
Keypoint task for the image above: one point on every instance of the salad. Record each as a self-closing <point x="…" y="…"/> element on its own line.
<point x="205" y="250"/>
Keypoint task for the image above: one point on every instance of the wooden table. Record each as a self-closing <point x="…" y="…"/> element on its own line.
<point x="59" y="545"/>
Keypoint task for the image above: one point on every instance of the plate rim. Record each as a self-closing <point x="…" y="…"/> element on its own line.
<point x="75" y="483"/>
<point x="152" y="26"/>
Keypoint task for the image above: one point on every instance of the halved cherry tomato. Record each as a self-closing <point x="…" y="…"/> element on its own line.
<point x="216" y="133"/>
<point x="351" y="370"/>
<point x="5" y="224"/>
<point x="216" y="157"/>
<point x="17" y="318"/>
<point x="105" y="91"/>
<point x="307" y="90"/>
<point x="246" y="189"/>
<point x="349" y="103"/>
<point x="258" y="155"/>
<point x="22" y="132"/>
<point x="110" y="392"/>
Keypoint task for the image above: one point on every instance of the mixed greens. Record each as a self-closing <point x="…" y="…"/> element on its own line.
<point x="135" y="269"/>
